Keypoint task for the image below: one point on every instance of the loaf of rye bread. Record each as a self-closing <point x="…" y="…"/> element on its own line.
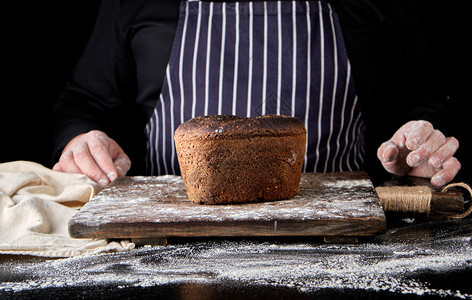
<point x="226" y="159"/>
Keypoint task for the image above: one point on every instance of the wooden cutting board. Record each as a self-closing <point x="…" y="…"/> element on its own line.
<point x="329" y="205"/>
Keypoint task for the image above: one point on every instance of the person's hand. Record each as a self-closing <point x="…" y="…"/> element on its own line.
<point x="418" y="149"/>
<point x="96" y="155"/>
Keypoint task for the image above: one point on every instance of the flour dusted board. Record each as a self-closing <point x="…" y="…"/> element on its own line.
<point x="331" y="204"/>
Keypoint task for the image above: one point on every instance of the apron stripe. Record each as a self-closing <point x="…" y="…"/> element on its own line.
<point x="321" y="86"/>
<point x="195" y="56"/>
<point x="351" y="132"/>
<point x="250" y="61"/>
<point x="294" y="56"/>
<point x="308" y="81"/>
<point x="150" y="159"/>
<point x="155" y="126"/>
<point x="279" y="57"/>
<point x="236" y="61"/>
<point x="207" y="72"/>
<point x="342" y="129"/>
<point x="333" y="97"/>
<point x="264" y="80"/>
<point x="164" y="146"/>
<point x="181" y="81"/>
<point x="172" y="121"/>
<point x="256" y="58"/>
<point x="355" y="149"/>
<point x="222" y="59"/>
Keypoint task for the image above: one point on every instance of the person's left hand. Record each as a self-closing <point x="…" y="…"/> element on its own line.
<point x="417" y="149"/>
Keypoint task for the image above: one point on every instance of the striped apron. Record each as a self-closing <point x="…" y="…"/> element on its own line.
<point x="256" y="58"/>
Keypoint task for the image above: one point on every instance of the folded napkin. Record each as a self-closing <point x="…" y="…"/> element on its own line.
<point x="36" y="204"/>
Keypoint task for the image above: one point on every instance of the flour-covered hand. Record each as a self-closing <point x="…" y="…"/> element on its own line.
<point x="417" y="149"/>
<point x="95" y="155"/>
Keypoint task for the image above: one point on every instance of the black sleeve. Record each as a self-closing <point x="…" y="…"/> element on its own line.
<point x="100" y="82"/>
<point x="393" y="73"/>
<point x="117" y="81"/>
<point x="409" y="81"/>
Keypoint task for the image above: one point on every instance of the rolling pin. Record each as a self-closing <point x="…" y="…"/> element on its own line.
<point x="424" y="199"/>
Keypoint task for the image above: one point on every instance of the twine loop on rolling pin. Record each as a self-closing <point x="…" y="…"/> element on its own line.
<point x="405" y="198"/>
<point x="469" y="189"/>
<point x="416" y="199"/>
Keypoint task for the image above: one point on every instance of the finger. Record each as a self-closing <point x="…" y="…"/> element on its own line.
<point x="387" y="152"/>
<point x="399" y="138"/>
<point x="122" y="164"/>
<point x="57" y="167"/>
<point x="416" y="133"/>
<point x="88" y="165"/>
<point x="67" y="164"/>
<point x="121" y="161"/>
<point x="99" y="149"/>
<point x="392" y="158"/>
<point x="411" y="133"/>
<point x="450" y="169"/>
<point x="444" y="152"/>
<point x="434" y="141"/>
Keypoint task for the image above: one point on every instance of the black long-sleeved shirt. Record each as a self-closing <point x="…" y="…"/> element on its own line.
<point x="117" y="82"/>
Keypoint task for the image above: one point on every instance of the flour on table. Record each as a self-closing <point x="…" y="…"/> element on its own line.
<point x="348" y="183"/>
<point x="394" y="267"/>
<point x="163" y="199"/>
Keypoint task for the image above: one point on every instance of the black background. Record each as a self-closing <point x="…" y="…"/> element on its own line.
<point x="42" y="41"/>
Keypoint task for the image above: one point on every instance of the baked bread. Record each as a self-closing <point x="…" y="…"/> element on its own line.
<point x="226" y="159"/>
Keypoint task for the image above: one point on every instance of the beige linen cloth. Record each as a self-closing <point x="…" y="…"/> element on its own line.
<point x="36" y="204"/>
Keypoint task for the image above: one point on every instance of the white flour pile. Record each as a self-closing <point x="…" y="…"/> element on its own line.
<point x="392" y="262"/>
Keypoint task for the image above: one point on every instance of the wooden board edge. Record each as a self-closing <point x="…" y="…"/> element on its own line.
<point x="353" y="227"/>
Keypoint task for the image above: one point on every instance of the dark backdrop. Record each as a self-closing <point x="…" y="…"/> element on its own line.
<point x="41" y="43"/>
<point x="43" y="40"/>
<point x="447" y="26"/>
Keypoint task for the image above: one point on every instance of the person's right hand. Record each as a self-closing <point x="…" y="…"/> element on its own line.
<point x="96" y="155"/>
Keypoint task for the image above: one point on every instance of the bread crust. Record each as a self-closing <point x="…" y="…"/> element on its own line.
<point x="229" y="126"/>
<point x="248" y="160"/>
